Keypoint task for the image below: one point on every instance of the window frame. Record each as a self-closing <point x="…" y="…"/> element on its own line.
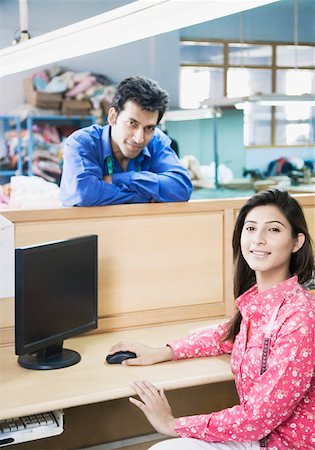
<point x="273" y="67"/>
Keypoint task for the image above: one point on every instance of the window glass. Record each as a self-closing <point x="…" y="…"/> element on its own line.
<point x="250" y="54"/>
<point x="295" y="82"/>
<point x="198" y="84"/>
<point x="243" y="82"/>
<point x="257" y="125"/>
<point x="295" y="55"/>
<point x="294" y="124"/>
<point x="201" y="52"/>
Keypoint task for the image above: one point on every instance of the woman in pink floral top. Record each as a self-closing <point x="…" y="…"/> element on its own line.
<point x="271" y="339"/>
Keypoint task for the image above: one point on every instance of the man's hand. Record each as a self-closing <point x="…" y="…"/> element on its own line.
<point x="155" y="407"/>
<point x="6" y="189"/>
<point x="107" y="179"/>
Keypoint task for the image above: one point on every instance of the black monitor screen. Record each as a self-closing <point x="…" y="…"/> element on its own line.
<point x="55" y="298"/>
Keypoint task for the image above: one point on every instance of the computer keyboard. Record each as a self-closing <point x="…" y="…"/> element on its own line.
<point x="29" y="428"/>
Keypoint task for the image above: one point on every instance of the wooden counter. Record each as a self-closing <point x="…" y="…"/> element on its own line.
<point x="24" y="391"/>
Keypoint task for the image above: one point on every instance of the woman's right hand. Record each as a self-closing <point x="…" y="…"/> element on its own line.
<point x="145" y="355"/>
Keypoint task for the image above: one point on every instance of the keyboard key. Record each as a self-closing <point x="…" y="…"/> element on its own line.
<point x="5" y="428"/>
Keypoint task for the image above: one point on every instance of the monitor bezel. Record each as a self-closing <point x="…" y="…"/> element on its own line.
<point x="23" y="348"/>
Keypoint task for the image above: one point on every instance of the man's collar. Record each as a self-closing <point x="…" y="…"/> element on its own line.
<point x="106" y="146"/>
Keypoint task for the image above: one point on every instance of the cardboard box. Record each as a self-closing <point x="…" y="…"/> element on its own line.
<point x="76" y="107"/>
<point x="40" y="99"/>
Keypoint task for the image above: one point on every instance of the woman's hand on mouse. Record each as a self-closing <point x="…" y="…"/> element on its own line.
<point x="153" y="403"/>
<point x="145" y="355"/>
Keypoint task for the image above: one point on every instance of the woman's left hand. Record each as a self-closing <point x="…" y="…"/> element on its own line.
<point x="154" y="405"/>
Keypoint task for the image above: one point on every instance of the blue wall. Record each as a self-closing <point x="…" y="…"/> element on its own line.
<point x="196" y="137"/>
<point x="274" y="22"/>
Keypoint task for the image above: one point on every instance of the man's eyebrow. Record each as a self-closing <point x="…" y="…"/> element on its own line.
<point x="138" y="123"/>
<point x="134" y="120"/>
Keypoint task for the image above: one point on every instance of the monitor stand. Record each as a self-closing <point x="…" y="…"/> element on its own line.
<point x="50" y="357"/>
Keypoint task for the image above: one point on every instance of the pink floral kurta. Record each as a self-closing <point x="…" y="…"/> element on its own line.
<point x="281" y="401"/>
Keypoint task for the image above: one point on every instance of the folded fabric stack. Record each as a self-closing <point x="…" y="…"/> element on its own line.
<point x="87" y="91"/>
<point x="33" y="192"/>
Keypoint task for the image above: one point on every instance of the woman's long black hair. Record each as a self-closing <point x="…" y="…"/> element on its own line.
<point x="302" y="261"/>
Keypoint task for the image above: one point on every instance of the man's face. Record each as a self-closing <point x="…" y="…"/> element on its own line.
<point x="131" y="129"/>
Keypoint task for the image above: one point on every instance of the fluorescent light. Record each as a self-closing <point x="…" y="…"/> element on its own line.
<point x="262" y="100"/>
<point x="240" y="105"/>
<point x="223" y="102"/>
<point x="282" y="100"/>
<point x="190" y="114"/>
<point x="134" y="21"/>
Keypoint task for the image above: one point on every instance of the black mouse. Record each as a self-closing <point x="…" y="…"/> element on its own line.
<point x="119" y="357"/>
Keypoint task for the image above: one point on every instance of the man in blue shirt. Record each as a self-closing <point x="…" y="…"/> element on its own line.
<point x="128" y="161"/>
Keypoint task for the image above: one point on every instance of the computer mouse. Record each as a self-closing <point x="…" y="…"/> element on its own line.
<point x="119" y="357"/>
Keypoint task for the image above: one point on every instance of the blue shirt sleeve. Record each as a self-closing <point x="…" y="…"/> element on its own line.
<point x="82" y="177"/>
<point x="166" y="181"/>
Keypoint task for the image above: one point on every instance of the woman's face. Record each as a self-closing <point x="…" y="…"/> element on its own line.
<point x="267" y="243"/>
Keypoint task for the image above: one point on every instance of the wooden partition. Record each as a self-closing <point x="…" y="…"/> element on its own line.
<point x="158" y="263"/>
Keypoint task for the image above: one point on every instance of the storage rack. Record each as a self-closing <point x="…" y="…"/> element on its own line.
<point x="11" y="121"/>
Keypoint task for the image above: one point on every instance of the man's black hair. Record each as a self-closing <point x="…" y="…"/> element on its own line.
<point x="147" y="93"/>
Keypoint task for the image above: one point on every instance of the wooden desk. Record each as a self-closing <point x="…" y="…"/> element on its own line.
<point x="24" y="391"/>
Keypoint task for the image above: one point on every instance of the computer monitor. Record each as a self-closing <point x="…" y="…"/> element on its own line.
<point x="55" y="299"/>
